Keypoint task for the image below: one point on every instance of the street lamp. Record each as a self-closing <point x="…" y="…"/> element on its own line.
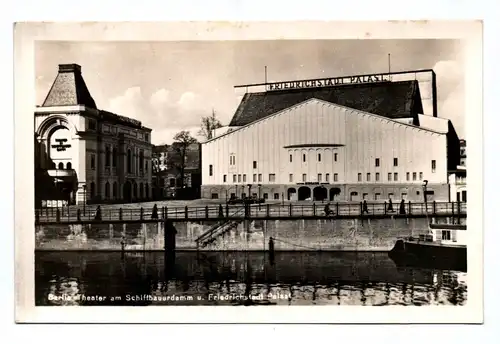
<point x="425" y="191"/>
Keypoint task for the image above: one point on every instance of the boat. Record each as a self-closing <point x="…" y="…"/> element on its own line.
<point x="443" y="247"/>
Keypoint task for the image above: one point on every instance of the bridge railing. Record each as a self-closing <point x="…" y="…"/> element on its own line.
<point x="316" y="209"/>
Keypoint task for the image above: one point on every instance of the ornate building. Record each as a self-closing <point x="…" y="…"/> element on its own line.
<point x="83" y="153"/>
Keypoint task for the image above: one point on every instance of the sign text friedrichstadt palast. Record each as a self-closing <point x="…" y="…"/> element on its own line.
<point x="326" y="82"/>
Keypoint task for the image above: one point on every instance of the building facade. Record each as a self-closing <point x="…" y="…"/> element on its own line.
<point x="316" y="149"/>
<point x="91" y="155"/>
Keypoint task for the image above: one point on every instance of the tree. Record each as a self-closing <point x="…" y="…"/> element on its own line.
<point x="177" y="160"/>
<point x="208" y="125"/>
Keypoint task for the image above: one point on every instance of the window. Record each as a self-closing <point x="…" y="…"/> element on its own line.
<point x="243" y="195"/>
<point x="115" y="156"/>
<point x="60" y="166"/>
<point x="272" y="177"/>
<point x="404" y="195"/>
<point x="327" y="177"/>
<point x="433" y="166"/>
<point x="365" y="196"/>
<point x="290" y="157"/>
<point x="391" y="195"/>
<point x="276" y="195"/>
<point x="107" y="157"/>
<point x="232" y="160"/>
<point x="239" y="178"/>
<point x="359" y="177"/>
<point x="215" y="196"/>
<point x="377" y="162"/>
<point x="368" y="177"/>
<point x="421" y="176"/>
<point x="319" y="156"/>
<point x="92" y="124"/>
<point x="290" y="178"/>
<point x="395" y="161"/>
<point x="146" y="137"/>
<point x="224" y="178"/>
<point x="335" y="177"/>
<point x="377" y="196"/>
<point x="68" y="166"/>
<point x="106" y="190"/>
<point x="141" y="159"/>
<point x="446" y="235"/>
<point x="234" y="178"/>
<point x="171" y="182"/>
<point x="303" y="157"/>
<point x="389" y="176"/>
<point x="414" y="176"/>
<point x="266" y="196"/>
<point x="233" y="195"/>
<point x="255" y="164"/>
<point x="211" y="170"/>
<point x="255" y="178"/>
<point x="319" y="177"/>
<point x="335" y="156"/>
<point x="408" y="176"/>
<point x="146" y="166"/>
<point x="92" y="161"/>
<point x="115" y="190"/>
<point x="304" y="177"/>
<point x="395" y="176"/>
<point x="244" y="178"/>
<point x="129" y="161"/>
<point x="377" y="177"/>
<point x="260" y="177"/>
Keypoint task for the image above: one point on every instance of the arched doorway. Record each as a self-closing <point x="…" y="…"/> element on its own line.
<point x="304" y="193"/>
<point x="292" y="194"/>
<point x="147" y="190"/>
<point x="141" y="191"/>
<point x="127" y="192"/>
<point x="320" y="193"/>
<point x="334" y="193"/>
<point x="135" y="191"/>
<point x="354" y="196"/>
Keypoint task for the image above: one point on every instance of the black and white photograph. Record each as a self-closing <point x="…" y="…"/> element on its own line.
<point x="251" y="172"/>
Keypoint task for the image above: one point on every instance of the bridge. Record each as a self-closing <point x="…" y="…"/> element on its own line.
<point x="251" y="212"/>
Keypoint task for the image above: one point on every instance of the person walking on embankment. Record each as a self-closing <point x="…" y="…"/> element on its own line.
<point x="154" y="214"/>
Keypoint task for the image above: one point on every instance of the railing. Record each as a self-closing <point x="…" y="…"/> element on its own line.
<point x="213" y="212"/>
<point x="218" y="229"/>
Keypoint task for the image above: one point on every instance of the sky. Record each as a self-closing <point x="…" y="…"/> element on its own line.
<point x="169" y="86"/>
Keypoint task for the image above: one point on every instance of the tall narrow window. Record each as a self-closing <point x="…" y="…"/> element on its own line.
<point x="304" y="177"/>
<point x="335" y="156"/>
<point x="255" y="164"/>
<point x="115" y="156"/>
<point x="260" y="177"/>
<point x="335" y="177"/>
<point x="421" y="176"/>
<point x="377" y="162"/>
<point x="319" y="157"/>
<point x="359" y="177"/>
<point x="129" y="161"/>
<point x="239" y="178"/>
<point x="389" y="176"/>
<point x="60" y="166"/>
<point x="433" y="166"/>
<point x="272" y="177"/>
<point x="327" y="177"/>
<point x="255" y="178"/>
<point x="290" y="157"/>
<point x="414" y="176"/>
<point x="234" y="178"/>
<point x="224" y="178"/>
<point x="319" y="177"/>
<point x="395" y="161"/>
<point x="290" y="178"/>
<point x="395" y="176"/>
<point x="210" y="170"/>
<point x="303" y="157"/>
<point x="368" y="177"/>
<point x="106" y="190"/>
<point x="107" y="157"/>
<point x="377" y="177"/>
<point x="68" y="166"/>
<point x="408" y="176"/>
<point x="141" y="160"/>
<point x="244" y="178"/>
<point x="92" y="161"/>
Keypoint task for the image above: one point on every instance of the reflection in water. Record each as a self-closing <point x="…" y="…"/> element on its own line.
<point x="239" y="278"/>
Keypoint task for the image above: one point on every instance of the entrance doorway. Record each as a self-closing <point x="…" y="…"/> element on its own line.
<point x="127" y="192"/>
<point x="292" y="194"/>
<point x="320" y="193"/>
<point x="304" y="193"/>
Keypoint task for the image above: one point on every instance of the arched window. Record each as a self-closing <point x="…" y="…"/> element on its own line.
<point x="60" y="166"/>
<point x="92" y="190"/>
<point x="141" y="190"/>
<point x="141" y="160"/>
<point x="115" y="190"/>
<point x="106" y="190"/>
<point x="135" y="190"/>
<point x="53" y="165"/>
<point x="129" y="161"/>
<point x="108" y="157"/>
<point x="147" y="190"/>
<point x="115" y="156"/>
<point x="68" y="166"/>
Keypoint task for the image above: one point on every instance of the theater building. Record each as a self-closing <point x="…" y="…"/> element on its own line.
<point x="84" y="153"/>
<point x="333" y="139"/>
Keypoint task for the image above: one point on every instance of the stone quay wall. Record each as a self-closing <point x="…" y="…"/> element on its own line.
<point x="247" y="235"/>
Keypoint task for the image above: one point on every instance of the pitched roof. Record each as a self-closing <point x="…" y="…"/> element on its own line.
<point x="389" y="99"/>
<point x="69" y="88"/>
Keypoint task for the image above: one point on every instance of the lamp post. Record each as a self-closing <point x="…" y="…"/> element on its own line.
<point x="84" y="187"/>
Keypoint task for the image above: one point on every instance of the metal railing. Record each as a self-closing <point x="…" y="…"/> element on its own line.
<point x="214" y="212"/>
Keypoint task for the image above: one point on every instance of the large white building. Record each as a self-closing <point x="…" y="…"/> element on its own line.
<point x="83" y="153"/>
<point x="317" y="147"/>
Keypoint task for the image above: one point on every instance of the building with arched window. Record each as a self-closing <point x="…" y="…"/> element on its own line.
<point x="89" y="153"/>
<point x="345" y="139"/>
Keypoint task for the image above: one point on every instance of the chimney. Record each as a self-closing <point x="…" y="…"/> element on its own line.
<point x="70" y="68"/>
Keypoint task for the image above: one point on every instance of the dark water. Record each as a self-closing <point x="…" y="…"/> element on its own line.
<point x="239" y="278"/>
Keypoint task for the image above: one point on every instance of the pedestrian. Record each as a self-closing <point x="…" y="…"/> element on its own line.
<point x="328" y="211"/>
<point x="97" y="216"/>
<point x="365" y="207"/>
<point x="221" y="211"/>
<point x="390" y="208"/>
<point x="154" y="214"/>
<point x="402" y="209"/>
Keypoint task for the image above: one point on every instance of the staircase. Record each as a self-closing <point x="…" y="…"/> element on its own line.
<point x="221" y="228"/>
